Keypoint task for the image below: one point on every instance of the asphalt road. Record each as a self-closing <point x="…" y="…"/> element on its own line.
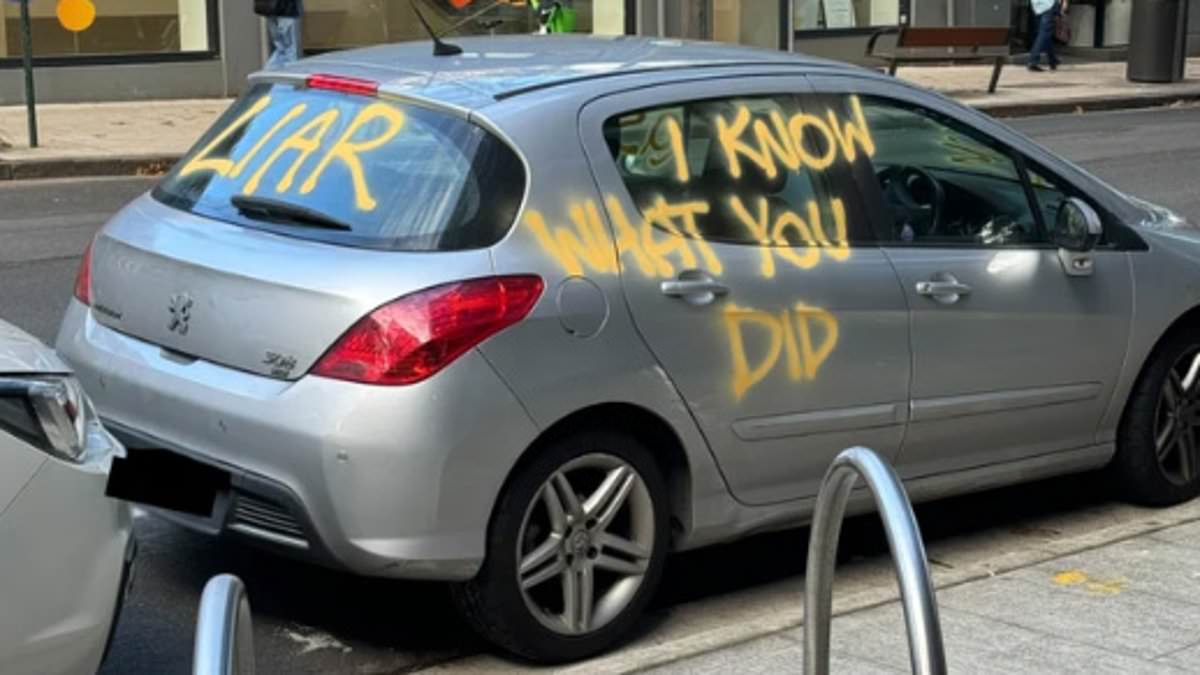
<point x="311" y="620"/>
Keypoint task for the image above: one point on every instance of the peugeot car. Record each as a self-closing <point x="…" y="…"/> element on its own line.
<point x="529" y="314"/>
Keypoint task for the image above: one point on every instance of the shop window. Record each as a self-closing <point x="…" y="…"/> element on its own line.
<point x="119" y="27"/>
<point x="835" y="14"/>
<point x="747" y="22"/>
<point x="344" y="24"/>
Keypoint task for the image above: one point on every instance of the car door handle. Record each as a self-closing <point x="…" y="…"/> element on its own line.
<point x="943" y="288"/>
<point x="694" y="286"/>
<point x="680" y="287"/>
<point x="936" y="288"/>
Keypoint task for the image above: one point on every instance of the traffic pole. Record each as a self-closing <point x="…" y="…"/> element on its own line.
<point x="27" y="59"/>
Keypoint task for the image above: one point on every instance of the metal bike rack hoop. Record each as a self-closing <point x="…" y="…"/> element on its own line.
<point x="224" y="632"/>
<point x="926" y="652"/>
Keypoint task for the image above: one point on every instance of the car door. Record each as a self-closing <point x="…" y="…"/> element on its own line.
<point x="750" y="276"/>
<point x="1015" y="353"/>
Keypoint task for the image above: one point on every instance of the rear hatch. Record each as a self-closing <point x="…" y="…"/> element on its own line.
<point x="307" y="205"/>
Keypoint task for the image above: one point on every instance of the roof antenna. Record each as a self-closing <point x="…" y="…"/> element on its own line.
<point x="439" y="48"/>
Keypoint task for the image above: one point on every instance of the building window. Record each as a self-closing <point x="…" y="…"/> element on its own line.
<point x="746" y="22"/>
<point x="121" y="27"/>
<point x="344" y="24"/>
<point x="845" y="14"/>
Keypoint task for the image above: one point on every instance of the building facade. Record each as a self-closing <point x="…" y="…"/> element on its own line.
<point x="144" y="49"/>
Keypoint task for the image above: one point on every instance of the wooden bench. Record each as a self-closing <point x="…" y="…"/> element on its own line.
<point x="971" y="39"/>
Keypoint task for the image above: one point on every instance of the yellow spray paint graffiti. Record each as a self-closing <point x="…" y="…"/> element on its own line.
<point x="783" y="142"/>
<point x="656" y="244"/>
<point x="667" y="239"/>
<point x="810" y="234"/>
<point x="803" y="337"/>
<point x="797" y="340"/>
<point x="306" y="141"/>
<point x="656" y="152"/>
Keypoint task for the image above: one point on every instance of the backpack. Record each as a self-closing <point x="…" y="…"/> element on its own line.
<point x="277" y="7"/>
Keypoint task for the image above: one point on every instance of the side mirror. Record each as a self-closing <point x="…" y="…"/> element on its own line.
<point x="224" y="634"/>
<point x="1077" y="226"/>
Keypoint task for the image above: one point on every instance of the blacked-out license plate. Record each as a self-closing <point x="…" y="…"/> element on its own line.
<point x="166" y="480"/>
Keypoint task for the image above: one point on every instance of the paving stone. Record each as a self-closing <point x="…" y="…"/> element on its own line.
<point x="1124" y="621"/>
<point x="1186" y="659"/>
<point x="1141" y="565"/>
<point x="772" y="654"/>
<point x="1180" y="535"/>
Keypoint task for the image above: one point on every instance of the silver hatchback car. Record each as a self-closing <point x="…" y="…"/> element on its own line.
<point x="528" y="317"/>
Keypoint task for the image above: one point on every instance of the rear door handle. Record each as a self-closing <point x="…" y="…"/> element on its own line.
<point x="943" y="288"/>
<point x="933" y="288"/>
<point x="694" y="286"/>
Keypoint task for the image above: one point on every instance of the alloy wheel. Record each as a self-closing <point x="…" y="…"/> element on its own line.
<point x="585" y="544"/>
<point x="1177" y="418"/>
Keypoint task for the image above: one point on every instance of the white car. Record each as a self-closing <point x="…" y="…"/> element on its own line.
<point x="65" y="548"/>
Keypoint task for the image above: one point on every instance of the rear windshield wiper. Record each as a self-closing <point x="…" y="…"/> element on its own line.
<point x="275" y="210"/>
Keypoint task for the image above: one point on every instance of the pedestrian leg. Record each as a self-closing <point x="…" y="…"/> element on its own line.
<point x="1051" y="47"/>
<point x="285" y="42"/>
<point x="1045" y="37"/>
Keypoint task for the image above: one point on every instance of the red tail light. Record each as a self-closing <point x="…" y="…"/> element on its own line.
<point x="413" y="338"/>
<point x="344" y="85"/>
<point x="83" y="280"/>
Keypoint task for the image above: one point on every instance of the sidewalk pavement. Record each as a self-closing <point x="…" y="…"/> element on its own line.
<point x="141" y="137"/>
<point x="100" y="139"/>
<point x="1076" y="584"/>
<point x="1128" y="607"/>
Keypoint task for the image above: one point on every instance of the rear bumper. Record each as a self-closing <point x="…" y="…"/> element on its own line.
<point x="255" y="509"/>
<point x="382" y="481"/>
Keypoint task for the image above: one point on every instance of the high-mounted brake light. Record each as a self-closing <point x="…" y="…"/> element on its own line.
<point x="83" y="280"/>
<point x="344" y="85"/>
<point x="411" y="339"/>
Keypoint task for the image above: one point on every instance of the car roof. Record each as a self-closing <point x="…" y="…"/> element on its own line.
<point x="22" y="354"/>
<point x="495" y="68"/>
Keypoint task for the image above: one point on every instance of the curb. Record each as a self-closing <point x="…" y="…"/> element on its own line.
<point x="78" y="167"/>
<point x="1003" y="110"/>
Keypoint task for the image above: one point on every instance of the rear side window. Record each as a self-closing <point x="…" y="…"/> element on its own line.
<point x="351" y="170"/>
<point x="751" y="164"/>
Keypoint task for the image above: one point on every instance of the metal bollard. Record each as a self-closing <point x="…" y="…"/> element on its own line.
<point x="224" y="631"/>
<point x="926" y="651"/>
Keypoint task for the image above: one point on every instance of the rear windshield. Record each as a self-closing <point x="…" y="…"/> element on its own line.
<point x="359" y="170"/>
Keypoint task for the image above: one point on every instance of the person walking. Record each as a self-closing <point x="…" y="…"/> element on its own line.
<point x="283" y="29"/>
<point x="1047" y="12"/>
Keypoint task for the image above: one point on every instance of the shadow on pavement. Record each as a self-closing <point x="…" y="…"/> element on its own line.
<point x="775" y="556"/>
<point x="313" y="620"/>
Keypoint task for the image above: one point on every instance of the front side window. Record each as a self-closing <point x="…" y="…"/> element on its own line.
<point x="943" y="184"/>
<point x="1050" y="196"/>
<point x="351" y="170"/>
<point x="749" y="170"/>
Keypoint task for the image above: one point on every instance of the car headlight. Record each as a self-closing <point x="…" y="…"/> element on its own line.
<point x="53" y="413"/>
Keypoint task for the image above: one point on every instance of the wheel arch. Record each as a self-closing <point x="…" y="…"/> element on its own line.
<point x="660" y="438"/>
<point x="1189" y="318"/>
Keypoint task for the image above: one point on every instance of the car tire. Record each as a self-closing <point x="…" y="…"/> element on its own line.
<point x="508" y="609"/>
<point x="1151" y="467"/>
